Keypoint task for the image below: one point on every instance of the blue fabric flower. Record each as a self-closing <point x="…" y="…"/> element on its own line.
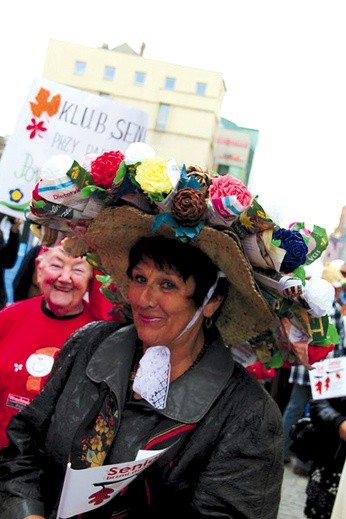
<point x="294" y="245"/>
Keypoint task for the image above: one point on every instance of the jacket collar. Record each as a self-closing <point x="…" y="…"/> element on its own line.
<point x="189" y="397"/>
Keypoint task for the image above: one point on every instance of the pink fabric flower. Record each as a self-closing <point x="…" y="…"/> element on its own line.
<point x="229" y="196"/>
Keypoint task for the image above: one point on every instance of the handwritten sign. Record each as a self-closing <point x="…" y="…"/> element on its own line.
<point x="57" y="119"/>
<point x="328" y="378"/>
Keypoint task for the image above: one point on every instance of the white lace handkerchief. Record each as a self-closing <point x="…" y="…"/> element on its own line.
<point x="152" y="377"/>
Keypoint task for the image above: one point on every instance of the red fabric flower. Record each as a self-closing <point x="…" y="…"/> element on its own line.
<point x="104" y="168"/>
<point x="317" y="353"/>
<point x="35" y="196"/>
<point x="260" y="372"/>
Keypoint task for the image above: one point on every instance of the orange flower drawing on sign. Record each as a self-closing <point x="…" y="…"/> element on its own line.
<point x="43" y="103"/>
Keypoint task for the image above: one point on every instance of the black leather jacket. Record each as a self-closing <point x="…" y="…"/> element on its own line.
<point x="327" y="415"/>
<point x="230" y="465"/>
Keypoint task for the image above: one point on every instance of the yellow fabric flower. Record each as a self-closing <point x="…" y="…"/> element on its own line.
<point x="152" y="176"/>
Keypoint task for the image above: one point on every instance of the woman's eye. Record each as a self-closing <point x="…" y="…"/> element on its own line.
<point x="79" y="272"/>
<point x="138" y="279"/>
<point x="56" y="266"/>
<point x="168" y="285"/>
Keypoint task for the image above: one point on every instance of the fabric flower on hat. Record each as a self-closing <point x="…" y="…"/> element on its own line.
<point x="294" y="245"/>
<point x="228" y="198"/>
<point x="36" y="199"/>
<point x="184" y="209"/>
<point x="189" y="206"/>
<point x="137" y="152"/>
<point x="153" y="179"/>
<point x="319" y="294"/>
<point x="105" y="167"/>
<point x="87" y="160"/>
<point x="103" y="179"/>
<point x="202" y="175"/>
<point x="56" y="167"/>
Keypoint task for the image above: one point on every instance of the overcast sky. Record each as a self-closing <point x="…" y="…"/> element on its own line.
<point x="282" y="61"/>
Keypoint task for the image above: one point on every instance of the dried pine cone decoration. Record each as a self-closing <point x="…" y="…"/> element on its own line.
<point x="189" y="207"/>
<point x="202" y="176"/>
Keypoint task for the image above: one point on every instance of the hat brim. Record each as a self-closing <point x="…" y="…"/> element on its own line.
<point x="245" y="313"/>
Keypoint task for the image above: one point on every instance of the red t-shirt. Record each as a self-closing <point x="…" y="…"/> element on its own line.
<point x="30" y="340"/>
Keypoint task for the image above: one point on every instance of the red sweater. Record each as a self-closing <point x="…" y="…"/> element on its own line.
<point x="30" y="339"/>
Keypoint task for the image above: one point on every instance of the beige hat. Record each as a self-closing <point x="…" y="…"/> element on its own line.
<point x="245" y="312"/>
<point x="333" y="275"/>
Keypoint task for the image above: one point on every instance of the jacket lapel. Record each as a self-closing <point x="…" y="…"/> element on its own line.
<point x="189" y="397"/>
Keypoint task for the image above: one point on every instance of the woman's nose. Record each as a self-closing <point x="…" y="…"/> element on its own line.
<point x="147" y="297"/>
<point x="65" y="274"/>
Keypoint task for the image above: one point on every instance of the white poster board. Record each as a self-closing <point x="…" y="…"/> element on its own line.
<point x="328" y="378"/>
<point x="57" y="119"/>
<point x="90" y="488"/>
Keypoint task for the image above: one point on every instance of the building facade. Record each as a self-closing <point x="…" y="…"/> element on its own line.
<point x="183" y="103"/>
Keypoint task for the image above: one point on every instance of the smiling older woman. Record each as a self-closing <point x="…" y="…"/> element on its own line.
<point x="33" y="331"/>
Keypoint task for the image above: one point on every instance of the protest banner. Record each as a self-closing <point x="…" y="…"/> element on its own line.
<point x="57" y="119"/>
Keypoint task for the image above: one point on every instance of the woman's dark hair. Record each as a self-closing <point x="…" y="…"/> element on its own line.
<point x="186" y="260"/>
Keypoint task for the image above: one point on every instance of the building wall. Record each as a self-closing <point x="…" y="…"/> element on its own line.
<point x="193" y="119"/>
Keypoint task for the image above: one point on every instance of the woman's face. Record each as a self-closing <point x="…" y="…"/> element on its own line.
<point x="63" y="281"/>
<point x="161" y="303"/>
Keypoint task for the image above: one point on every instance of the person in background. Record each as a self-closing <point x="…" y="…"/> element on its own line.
<point x="33" y="331"/>
<point x="8" y="253"/>
<point x="295" y="409"/>
<point x="166" y="381"/>
<point x="25" y="283"/>
<point x="329" y="419"/>
<point x="300" y="397"/>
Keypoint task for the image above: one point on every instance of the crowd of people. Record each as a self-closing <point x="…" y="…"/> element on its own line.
<point x="82" y="389"/>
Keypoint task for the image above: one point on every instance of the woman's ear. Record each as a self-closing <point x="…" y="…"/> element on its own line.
<point x="213" y="305"/>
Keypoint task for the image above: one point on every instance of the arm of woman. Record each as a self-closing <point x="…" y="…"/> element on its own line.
<point x="327" y="415"/>
<point x="244" y="473"/>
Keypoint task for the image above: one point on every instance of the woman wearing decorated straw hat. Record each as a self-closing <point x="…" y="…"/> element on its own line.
<point x="166" y="384"/>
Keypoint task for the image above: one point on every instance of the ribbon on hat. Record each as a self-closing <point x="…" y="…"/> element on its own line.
<point x="152" y="377"/>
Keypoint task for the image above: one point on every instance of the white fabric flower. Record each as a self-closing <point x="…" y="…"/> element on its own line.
<point x="319" y="294"/>
<point x="137" y="152"/>
<point x="56" y="167"/>
<point x="86" y="161"/>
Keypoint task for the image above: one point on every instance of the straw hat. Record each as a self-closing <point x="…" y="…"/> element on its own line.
<point x="245" y="313"/>
<point x="333" y="276"/>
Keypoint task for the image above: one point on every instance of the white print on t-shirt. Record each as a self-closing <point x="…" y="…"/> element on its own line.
<point x="39" y="365"/>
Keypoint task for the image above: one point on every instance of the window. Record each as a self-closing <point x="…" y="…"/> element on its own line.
<point x="79" y="67"/>
<point x="162" y="117"/>
<point x="109" y="72"/>
<point x="201" y="88"/>
<point x="140" y="78"/>
<point x="170" y="83"/>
